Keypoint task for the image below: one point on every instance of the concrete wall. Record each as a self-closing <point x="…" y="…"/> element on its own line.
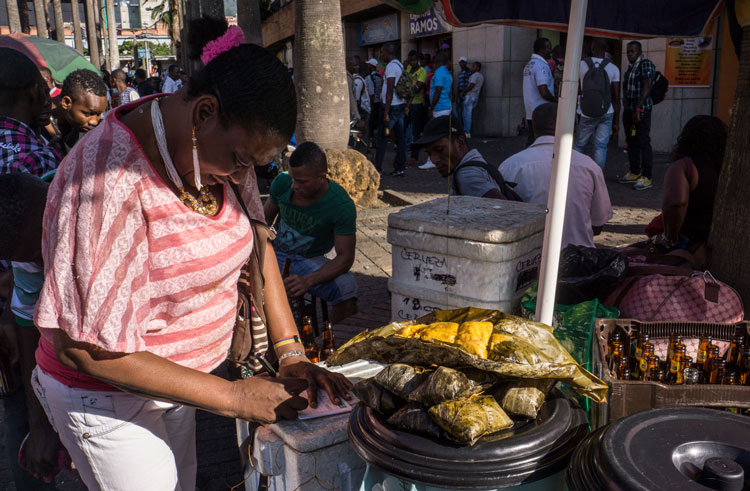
<point x="680" y="103"/>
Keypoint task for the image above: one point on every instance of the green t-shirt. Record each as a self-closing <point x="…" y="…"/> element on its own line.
<point x="308" y="230"/>
<point x="419" y="76"/>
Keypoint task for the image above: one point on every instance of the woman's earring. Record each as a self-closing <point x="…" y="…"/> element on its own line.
<point x="196" y="165"/>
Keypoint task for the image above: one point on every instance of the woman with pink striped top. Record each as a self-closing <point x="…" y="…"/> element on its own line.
<point x="143" y="244"/>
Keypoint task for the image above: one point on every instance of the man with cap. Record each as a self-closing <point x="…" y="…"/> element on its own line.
<point x="463" y="83"/>
<point x="588" y="206"/>
<point x="445" y="143"/>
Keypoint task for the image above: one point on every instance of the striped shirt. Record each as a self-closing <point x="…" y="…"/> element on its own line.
<point x="128" y="266"/>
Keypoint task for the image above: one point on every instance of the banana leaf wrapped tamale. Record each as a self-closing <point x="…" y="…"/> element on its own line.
<point x="415" y="418"/>
<point x="467" y="420"/>
<point x="523" y="398"/>
<point x="376" y="397"/>
<point x="542" y="356"/>
<point x="444" y="384"/>
<point x="474" y="336"/>
<point x="401" y="379"/>
<point x="440" y="331"/>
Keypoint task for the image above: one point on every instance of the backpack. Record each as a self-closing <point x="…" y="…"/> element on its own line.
<point x="405" y="87"/>
<point x="659" y="88"/>
<point x="506" y="188"/>
<point x="596" y="95"/>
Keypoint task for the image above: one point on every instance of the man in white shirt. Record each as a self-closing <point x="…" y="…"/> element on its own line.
<point x="600" y="90"/>
<point x="393" y="112"/>
<point x="360" y="88"/>
<point x="470" y="95"/>
<point x="538" y="83"/>
<point x="172" y="83"/>
<point x="127" y="94"/>
<point x="588" y="206"/>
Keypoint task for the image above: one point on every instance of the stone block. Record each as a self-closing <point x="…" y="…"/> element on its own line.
<point x="522" y="42"/>
<point x="487" y="121"/>
<point x="696" y="92"/>
<point x="493" y="43"/>
<point x="516" y="112"/>
<point x="475" y="44"/>
<point x="493" y="79"/>
<point x="658" y="57"/>
<point x="693" y="107"/>
<point x="357" y="175"/>
<point x="516" y="78"/>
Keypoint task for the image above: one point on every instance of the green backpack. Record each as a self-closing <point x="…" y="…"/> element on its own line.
<point x="406" y="87"/>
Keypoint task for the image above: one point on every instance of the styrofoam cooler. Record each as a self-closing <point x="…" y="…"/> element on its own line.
<point x="461" y="252"/>
<point x="307" y="455"/>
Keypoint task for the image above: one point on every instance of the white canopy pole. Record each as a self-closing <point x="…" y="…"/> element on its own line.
<point x="558" y="188"/>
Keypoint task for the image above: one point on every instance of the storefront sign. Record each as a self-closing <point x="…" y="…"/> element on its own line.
<point x="379" y="30"/>
<point x="689" y="60"/>
<point x="428" y="24"/>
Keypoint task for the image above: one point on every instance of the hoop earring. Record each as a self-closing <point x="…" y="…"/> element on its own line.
<point x="196" y="164"/>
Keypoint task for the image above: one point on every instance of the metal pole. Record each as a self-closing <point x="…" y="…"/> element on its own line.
<point x="114" y="48"/>
<point x="59" y="24"/>
<point x="91" y="33"/>
<point x="76" y="25"/>
<point x="563" y="149"/>
<point x="248" y="18"/>
<point x="40" y="18"/>
<point x="14" y="16"/>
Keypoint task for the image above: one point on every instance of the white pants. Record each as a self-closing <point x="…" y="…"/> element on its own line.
<point x="119" y="441"/>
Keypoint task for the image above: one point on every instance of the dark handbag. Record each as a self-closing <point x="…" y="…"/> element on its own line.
<point x="250" y="336"/>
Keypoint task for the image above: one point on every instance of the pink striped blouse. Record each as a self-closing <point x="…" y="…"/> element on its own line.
<point x="128" y="266"/>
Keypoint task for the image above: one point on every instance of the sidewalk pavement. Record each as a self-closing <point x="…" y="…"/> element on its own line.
<point x="218" y="456"/>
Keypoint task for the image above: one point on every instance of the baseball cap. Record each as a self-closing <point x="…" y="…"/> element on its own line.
<point x="439" y="128"/>
<point x="463" y="58"/>
<point x="372" y="61"/>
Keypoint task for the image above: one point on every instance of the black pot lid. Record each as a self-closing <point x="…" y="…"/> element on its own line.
<point x="689" y="449"/>
<point x="530" y="452"/>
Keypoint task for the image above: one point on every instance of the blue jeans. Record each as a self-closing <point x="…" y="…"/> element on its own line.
<point x="396" y="125"/>
<point x="600" y="129"/>
<point x="335" y="291"/>
<point x="469" y="104"/>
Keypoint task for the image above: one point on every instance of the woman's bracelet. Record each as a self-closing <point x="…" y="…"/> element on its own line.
<point x="285" y="341"/>
<point x="289" y="354"/>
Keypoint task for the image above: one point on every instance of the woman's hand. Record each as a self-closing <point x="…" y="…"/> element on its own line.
<point x="263" y="399"/>
<point x="335" y="384"/>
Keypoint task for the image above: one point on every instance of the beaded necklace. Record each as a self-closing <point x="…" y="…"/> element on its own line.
<point x="205" y="203"/>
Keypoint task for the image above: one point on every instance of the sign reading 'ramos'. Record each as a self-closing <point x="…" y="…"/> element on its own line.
<point x="429" y="23"/>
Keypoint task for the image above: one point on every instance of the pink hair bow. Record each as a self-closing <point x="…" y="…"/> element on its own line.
<point x="230" y="39"/>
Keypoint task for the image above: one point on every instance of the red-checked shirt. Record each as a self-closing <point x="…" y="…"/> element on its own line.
<point x="22" y="151"/>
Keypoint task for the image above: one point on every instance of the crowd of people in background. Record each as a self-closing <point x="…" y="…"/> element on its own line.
<point x="391" y="109"/>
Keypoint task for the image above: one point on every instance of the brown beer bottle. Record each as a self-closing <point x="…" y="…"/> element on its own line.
<point x="657" y="375"/>
<point x="705" y="342"/>
<point x="712" y="354"/>
<point x="328" y="348"/>
<point x="297" y="304"/>
<point x="652" y="365"/>
<point x="624" y="374"/>
<point x="674" y="339"/>
<point x="308" y="340"/>
<point x="685" y="362"/>
<point x="745" y="367"/>
<point x="648" y="350"/>
<point x="734" y="353"/>
<point x="718" y="369"/>
<point x="615" y="354"/>
<point x="675" y="363"/>
<point x="642" y="339"/>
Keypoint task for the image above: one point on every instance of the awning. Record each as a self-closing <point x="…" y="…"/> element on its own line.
<point x="610" y="18"/>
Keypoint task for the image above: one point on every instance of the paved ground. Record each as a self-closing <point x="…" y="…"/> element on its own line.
<point x="218" y="457"/>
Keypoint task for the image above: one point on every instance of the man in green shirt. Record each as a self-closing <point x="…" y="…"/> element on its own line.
<point x="315" y="215"/>
<point x="415" y="109"/>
